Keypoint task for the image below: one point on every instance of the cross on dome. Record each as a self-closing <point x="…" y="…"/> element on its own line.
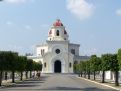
<point x="58" y="23"/>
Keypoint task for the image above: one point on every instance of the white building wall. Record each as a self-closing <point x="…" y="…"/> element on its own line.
<point x="75" y="47"/>
<point x="54" y="42"/>
<point x="39" y="50"/>
<point x="108" y="75"/>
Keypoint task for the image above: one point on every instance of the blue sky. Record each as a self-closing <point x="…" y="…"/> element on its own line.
<point x="95" y="24"/>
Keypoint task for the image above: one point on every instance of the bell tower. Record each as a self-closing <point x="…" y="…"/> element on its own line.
<point x="57" y="32"/>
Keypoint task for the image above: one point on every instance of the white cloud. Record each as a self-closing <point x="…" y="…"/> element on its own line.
<point x="91" y="51"/>
<point x="28" y="27"/>
<point x="18" y="1"/>
<point x="118" y="12"/>
<point x="80" y="8"/>
<point x="9" y="23"/>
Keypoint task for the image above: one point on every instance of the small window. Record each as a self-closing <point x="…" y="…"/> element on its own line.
<point x="73" y="51"/>
<point x="45" y="65"/>
<point x="57" y="32"/>
<point x="43" y="51"/>
<point x="70" y="65"/>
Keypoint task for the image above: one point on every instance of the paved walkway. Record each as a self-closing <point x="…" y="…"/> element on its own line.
<point x="55" y="82"/>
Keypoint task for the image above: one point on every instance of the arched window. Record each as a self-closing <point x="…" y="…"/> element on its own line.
<point x="57" y="32"/>
<point x="70" y="65"/>
<point x="43" y="51"/>
<point x="45" y="64"/>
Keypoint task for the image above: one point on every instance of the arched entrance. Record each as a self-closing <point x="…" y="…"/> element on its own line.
<point x="57" y="66"/>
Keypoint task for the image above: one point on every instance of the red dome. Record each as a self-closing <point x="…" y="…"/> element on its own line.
<point x="58" y="23"/>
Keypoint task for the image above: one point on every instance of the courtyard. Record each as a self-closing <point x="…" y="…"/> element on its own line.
<point x="56" y="82"/>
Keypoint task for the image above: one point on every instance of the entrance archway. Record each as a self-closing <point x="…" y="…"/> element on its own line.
<point x="57" y="66"/>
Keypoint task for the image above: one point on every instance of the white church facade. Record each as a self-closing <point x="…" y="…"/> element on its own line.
<point x="57" y="54"/>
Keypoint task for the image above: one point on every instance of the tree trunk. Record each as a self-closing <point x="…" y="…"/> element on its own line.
<point x="89" y="75"/>
<point x="13" y="76"/>
<point x="6" y="76"/>
<point x="78" y="74"/>
<point x="26" y="74"/>
<point x="94" y="75"/>
<point x="81" y="74"/>
<point x="30" y="74"/>
<point x="85" y="74"/>
<point x="103" y="77"/>
<point x="21" y="76"/>
<point x="1" y="77"/>
<point x="116" y="78"/>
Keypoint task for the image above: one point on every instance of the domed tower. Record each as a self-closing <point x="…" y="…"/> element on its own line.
<point x="57" y="32"/>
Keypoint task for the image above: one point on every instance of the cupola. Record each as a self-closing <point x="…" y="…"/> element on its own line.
<point x="57" y="32"/>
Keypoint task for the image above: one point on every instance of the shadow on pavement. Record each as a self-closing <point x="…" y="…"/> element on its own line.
<point x="23" y="85"/>
<point x="28" y="83"/>
<point x="68" y="89"/>
<point x="80" y="89"/>
<point x="33" y="81"/>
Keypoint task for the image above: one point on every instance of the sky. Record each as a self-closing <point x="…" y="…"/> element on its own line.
<point x="94" y="24"/>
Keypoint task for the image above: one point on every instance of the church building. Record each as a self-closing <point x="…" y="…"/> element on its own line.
<point x="58" y="54"/>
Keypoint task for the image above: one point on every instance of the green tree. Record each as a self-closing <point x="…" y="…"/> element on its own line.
<point x="22" y="62"/>
<point x="75" y="68"/>
<point x="37" y="66"/>
<point x="29" y="67"/>
<point x="119" y="64"/>
<point x="78" y="69"/>
<point x="114" y="66"/>
<point x="3" y="64"/>
<point x="83" y="67"/>
<point x="95" y="64"/>
<point x="119" y="58"/>
<point x="105" y="64"/>
<point x="88" y="68"/>
<point x="13" y="60"/>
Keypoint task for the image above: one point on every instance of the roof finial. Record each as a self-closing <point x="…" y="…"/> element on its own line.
<point x="58" y="23"/>
<point x="58" y="19"/>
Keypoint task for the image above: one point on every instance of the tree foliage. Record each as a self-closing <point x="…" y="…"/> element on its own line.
<point x="119" y="58"/>
<point x="11" y="61"/>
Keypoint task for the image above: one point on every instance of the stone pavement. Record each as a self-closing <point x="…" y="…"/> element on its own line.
<point x="57" y="82"/>
<point x="108" y="83"/>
